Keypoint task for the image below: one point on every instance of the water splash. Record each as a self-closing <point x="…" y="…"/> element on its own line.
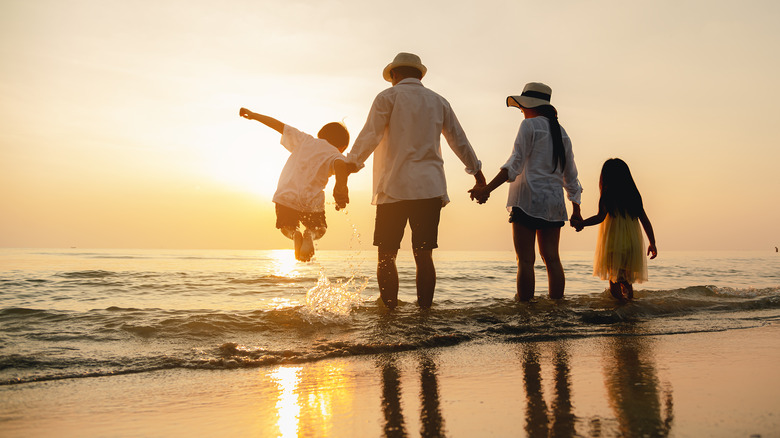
<point x="333" y="302"/>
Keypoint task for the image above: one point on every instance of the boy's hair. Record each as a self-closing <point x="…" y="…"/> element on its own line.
<point x="336" y="134"/>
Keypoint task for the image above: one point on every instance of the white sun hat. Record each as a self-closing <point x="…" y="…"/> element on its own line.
<point x="534" y="94"/>
<point x="404" y="59"/>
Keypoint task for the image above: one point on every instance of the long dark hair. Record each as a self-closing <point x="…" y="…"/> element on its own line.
<point x="559" y="154"/>
<point x="619" y="195"/>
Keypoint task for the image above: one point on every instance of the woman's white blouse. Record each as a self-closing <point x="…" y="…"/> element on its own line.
<point x="534" y="187"/>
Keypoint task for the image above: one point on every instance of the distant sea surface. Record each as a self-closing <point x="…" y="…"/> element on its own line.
<point x="74" y="313"/>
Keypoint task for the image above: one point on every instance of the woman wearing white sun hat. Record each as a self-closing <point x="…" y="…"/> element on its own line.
<point x="540" y="168"/>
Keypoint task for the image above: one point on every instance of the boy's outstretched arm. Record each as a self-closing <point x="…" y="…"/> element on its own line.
<point x="265" y="120"/>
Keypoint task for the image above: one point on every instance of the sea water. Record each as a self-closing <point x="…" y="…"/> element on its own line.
<point x="73" y="313"/>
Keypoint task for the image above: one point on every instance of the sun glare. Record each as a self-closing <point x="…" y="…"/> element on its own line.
<point x="284" y="263"/>
<point x="287" y="406"/>
<point x="310" y="397"/>
<point x="234" y="156"/>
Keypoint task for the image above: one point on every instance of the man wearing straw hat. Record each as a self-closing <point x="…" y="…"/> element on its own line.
<point x="403" y="132"/>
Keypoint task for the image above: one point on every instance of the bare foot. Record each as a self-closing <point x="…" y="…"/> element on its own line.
<point x="307" y="247"/>
<point x="298" y="240"/>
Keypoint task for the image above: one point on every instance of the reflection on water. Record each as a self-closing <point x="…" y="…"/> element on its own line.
<point x="391" y="399"/>
<point x="641" y="407"/>
<point x="284" y="263"/>
<point x="287" y="407"/>
<point x="432" y="423"/>
<point x="309" y="397"/>
<point x="539" y="420"/>
<point x="633" y="388"/>
<point x="431" y="419"/>
<point x="312" y="399"/>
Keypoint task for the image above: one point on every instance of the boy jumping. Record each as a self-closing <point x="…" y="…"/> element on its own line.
<point x="300" y="195"/>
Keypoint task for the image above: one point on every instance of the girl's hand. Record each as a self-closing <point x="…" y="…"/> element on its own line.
<point x="652" y="251"/>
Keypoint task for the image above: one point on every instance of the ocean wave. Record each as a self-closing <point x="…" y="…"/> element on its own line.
<point x="88" y="274"/>
<point x="121" y="340"/>
<point x="597" y="308"/>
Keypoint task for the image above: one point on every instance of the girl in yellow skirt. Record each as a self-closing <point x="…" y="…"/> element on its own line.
<point x="620" y="254"/>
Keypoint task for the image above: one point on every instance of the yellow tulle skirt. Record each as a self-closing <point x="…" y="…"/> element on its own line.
<point x="620" y="250"/>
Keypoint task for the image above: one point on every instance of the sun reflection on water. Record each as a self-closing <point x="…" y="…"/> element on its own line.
<point x="311" y="398"/>
<point x="288" y="410"/>
<point x="284" y="263"/>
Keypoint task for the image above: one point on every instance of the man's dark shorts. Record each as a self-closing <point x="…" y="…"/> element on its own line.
<point x="423" y="217"/>
<point x="287" y="217"/>
<point x="517" y="215"/>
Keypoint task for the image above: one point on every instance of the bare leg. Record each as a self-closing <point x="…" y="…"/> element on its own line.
<point x="289" y="232"/>
<point x="317" y="233"/>
<point x="524" y="239"/>
<point x="426" y="277"/>
<point x="549" y="240"/>
<point x="387" y="277"/>
<point x="307" y="247"/>
<point x="297" y="238"/>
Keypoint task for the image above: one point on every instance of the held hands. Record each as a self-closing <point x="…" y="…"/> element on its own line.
<point x="341" y="196"/>
<point x="576" y="223"/>
<point x="480" y="193"/>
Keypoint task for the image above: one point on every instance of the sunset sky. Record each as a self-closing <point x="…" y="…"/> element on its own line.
<point x="119" y="123"/>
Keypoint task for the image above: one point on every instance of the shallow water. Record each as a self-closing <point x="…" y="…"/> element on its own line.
<point x="80" y="313"/>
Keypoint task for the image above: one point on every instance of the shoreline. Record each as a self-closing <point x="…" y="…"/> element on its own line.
<point x="697" y="384"/>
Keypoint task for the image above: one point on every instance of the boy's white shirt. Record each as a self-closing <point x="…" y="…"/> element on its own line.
<point x="305" y="174"/>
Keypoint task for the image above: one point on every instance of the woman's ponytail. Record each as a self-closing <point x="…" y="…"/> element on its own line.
<point x="559" y="153"/>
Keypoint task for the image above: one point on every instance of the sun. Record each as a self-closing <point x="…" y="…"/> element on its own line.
<point x="242" y="158"/>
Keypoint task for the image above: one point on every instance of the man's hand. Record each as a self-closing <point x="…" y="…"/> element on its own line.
<point x="342" y="169"/>
<point x="341" y="196"/>
<point x="480" y="193"/>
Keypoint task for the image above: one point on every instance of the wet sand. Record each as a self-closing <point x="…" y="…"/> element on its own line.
<point x="719" y="384"/>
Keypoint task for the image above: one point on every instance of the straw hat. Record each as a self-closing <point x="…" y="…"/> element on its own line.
<point x="404" y="60"/>
<point x="534" y="94"/>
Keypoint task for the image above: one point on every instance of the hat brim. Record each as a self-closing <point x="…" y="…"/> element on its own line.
<point x="525" y="102"/>
<point x="392" y="65"/>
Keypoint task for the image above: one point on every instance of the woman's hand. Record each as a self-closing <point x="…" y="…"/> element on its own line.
<point x="480" y="193"/>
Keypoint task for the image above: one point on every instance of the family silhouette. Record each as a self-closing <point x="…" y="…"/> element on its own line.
<point x="403" y="132"/>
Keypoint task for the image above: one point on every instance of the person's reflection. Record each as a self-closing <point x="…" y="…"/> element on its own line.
<point x="563" y="415"/>
<point x="432" y="423"/>
<point x="536" y="421"/>
<point x="633" y="388"/>
<point x="559" y="420"/>
<point x="431" y="419"/>
<point x="391" y="398"/>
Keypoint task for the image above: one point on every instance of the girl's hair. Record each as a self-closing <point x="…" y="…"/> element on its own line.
<point x="619" y="195"/>
<point x="559" y="154"/>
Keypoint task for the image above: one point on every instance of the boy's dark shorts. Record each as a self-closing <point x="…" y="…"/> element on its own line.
<point x="518" y="216"/>
<point x="423" y="217"/>
<point x="287" y="217"/>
